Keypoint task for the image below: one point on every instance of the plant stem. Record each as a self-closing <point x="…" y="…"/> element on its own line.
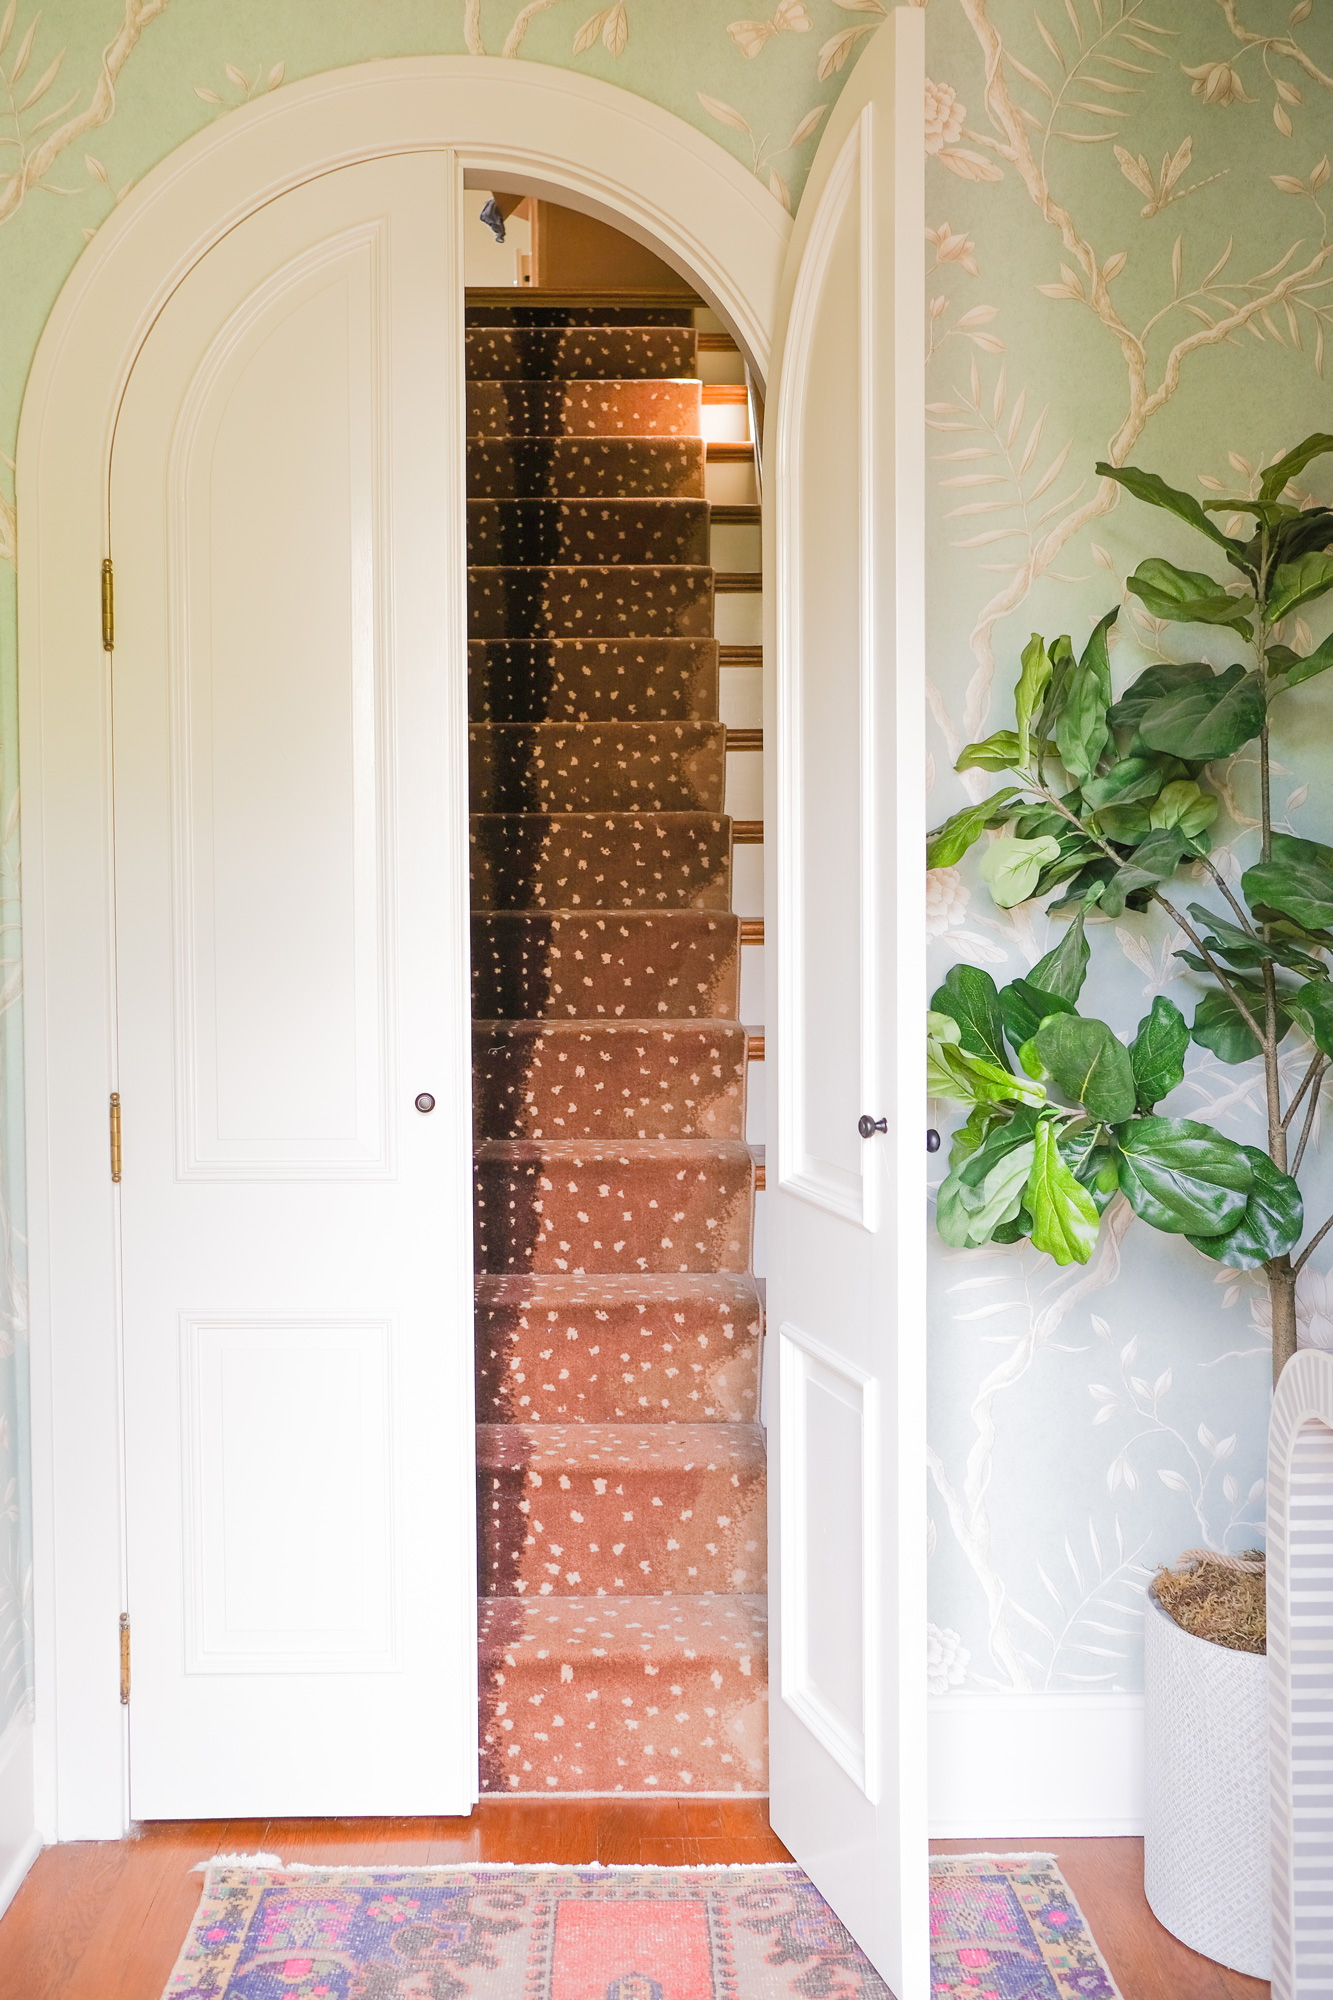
<point x="1265" y="1040"/>
<point x="1315" y="1067"/>
<point x="1282" y="1273"/>
<point x="1313" y="1107"/>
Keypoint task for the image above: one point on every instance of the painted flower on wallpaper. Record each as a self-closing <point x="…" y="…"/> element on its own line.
<point x="947" y="898"/>
<point x="944" y="116"/>
<point x="946" y="1659"/>
<point x="1217" y="83"/>
<point x="953" y="249"/>
<point x="788" y="18"/>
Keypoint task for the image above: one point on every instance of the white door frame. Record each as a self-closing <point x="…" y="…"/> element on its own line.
<point x="514" y="125"/>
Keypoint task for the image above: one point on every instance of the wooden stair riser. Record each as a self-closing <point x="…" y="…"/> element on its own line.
<point x="585" y="467"/>
<point x="585" y="409"/>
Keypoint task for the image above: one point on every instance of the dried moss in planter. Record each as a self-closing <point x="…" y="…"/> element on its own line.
<point x="1217" y="1597"/>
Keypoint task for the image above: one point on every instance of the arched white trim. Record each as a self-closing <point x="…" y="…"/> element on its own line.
<point x="511" y="124"/>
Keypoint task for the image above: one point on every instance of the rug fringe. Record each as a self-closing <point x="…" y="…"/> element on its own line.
<point x="275" y="1861"/>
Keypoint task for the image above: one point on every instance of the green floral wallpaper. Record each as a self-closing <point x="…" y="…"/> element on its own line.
<point x="1129" y="254"/>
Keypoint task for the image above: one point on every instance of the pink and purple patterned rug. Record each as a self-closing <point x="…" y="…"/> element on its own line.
<point x="1002" y="1928"/>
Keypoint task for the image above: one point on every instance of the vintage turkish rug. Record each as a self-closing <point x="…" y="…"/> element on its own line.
<point x="1005" y="1929"/>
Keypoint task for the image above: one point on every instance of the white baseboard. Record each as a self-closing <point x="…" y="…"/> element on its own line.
<point x="20" y="1841"/>
<point x="1035" y="1766"/>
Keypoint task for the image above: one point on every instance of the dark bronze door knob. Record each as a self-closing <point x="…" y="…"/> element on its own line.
<point x="868" y="1126"/>
<point x="425" y="1102"/>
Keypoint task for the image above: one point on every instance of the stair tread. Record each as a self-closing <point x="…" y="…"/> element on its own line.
<point x="631" y="1026"/>
<point x="572" y="467"/>
<point x="610" y="1628"/>
<point x="625" y="1152"/>
<point x="589" y="352"/>
<point x="619" y="1448"/>
<point x="560" y="1289"/>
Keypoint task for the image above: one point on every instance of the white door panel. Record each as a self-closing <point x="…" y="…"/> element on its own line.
<point x="845" y="924"/>
<point x="290" y="828"/>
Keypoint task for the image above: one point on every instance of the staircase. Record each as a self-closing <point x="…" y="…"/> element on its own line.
<point x="621" y="1495"/>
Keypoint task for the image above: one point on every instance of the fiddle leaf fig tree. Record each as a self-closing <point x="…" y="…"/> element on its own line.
<point x="1106" y="803"/>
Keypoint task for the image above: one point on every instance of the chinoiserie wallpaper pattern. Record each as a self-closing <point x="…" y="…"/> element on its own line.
<point x="1129" y="251"/>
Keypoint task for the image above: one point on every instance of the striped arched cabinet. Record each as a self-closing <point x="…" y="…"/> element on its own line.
<point x="1300" y="1653"/>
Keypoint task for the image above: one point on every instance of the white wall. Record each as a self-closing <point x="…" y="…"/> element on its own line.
<point x="20" y="1842"/>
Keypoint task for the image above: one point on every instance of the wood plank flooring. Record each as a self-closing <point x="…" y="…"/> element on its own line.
<point x="105" y="1920"/>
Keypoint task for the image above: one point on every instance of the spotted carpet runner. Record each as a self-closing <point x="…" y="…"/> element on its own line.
<point x="620" y="1463"/>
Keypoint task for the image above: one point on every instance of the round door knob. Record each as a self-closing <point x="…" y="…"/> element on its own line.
<point x="932" y="1140"/>
<point x="425" y="1102"/>
<point x="868" y="1126"/>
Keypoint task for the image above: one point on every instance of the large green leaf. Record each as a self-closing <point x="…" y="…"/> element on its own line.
<point x="1064" y="1216"/>
<point x="1024" y="1006"/>
<point x="1061" y="654"/>
<point x="1188" y="596"/>
<point x="1283" y="470"/>
<point x="1182" y="1177"/>
<point x="1126" y="825"/>
<point x="1210" y="719"/>
<point x="1131" y="780"/>
<point x="1310" y="528"/>
<point x="967" y="1079"/>
<point x="950" y="842"/>
<point x="1063" y="969"/>
<point x="999" y="752"/>
<point x="1082" y="733"/>
<point x="1089" y="1065"/>
<point x="1166" y="677"/>
<point x="969" y="997"/>
<point x="986" y="1192"/>
<point x="1295" y="670"/>
<point x="1185" y="804"/>
<point x="1218" y="1026"/>
<point x="1311" y="1007"/>
<point x="1094" y="1162"/>
<point x="1030" y="689"/>
<point x="1010" y="867"/>
<point x="1271" y="1223"/>
<point x="1147" y="486"/>
<point x="1155" y="860"/>
<point x="1157" y="1053"/>
<point x="1297" y="882"/>
<point x="1297" y="583"/>
<point x="1233" y="946"/>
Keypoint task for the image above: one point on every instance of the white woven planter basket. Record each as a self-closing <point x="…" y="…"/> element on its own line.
<point x="1206" y="1832"/>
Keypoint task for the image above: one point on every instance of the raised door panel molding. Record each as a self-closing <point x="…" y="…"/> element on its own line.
<point x="826" y="631"/>
<point x="288" y="1494"/>
<point x="829" y="1630"/>
<point x="278" y="537"/>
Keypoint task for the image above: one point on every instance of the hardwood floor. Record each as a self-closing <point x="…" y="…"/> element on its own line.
<point x="104" y="1920"/>
<point x="1106" y="1877"/>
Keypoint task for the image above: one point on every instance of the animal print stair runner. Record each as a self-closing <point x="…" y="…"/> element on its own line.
<point x="620" y="1462"/>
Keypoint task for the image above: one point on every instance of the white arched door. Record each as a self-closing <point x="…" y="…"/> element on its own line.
<point x="290" y="841"/>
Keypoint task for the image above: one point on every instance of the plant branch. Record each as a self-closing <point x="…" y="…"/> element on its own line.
<point x="1315" y="1067"/>
<point x="1265" y="1041"/>
<point x="1308" y="1126"/>
<point x="1238" y="909"/>
<point x="1312" y="1246"/>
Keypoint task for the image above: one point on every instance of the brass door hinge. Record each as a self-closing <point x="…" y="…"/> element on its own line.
<point x="108" y="607"/>
<point x="125" y="1658"/>
<point x="115" y="1135"/>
